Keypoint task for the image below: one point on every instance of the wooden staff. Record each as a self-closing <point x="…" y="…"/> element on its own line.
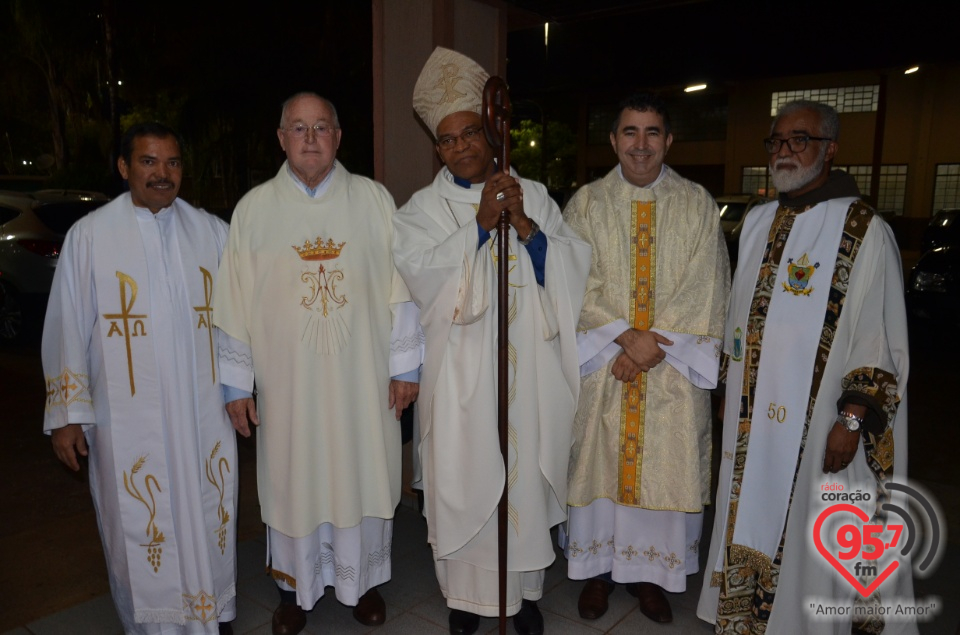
<point x="496" y="127"/>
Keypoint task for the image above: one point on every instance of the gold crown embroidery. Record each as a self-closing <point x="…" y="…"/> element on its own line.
<point x="319" y="250"/>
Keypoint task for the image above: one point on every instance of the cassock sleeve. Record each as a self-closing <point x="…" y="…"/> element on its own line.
<point x="67" y="332"/>
<point x="406" y="341"/>
<point x="879" y="344"/>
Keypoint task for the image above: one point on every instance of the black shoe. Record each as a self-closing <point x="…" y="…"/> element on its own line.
<point x="463" y="623"/>
<point x="528" y="621"/>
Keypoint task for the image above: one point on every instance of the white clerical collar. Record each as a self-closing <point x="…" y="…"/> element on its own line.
<point x="663" y="172"/>
<point x="467" y="185"/>
<point x="321" y="186"/>
<point x="144" y="212"/>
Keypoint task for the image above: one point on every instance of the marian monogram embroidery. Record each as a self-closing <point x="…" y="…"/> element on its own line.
<point x="125" y="316"/>
<point x="325" y="328"/>
<point x="449" y="76"/>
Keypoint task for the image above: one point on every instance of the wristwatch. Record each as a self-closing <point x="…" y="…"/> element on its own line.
<point x="851" y="422"/>
<point x="534" y="230"/>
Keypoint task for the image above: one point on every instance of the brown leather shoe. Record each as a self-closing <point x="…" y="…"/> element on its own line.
<point x="653" y="603"/>
<point x="370" y="609"/>
<point x="288" y="619"/>
<point x="593" y="598"/>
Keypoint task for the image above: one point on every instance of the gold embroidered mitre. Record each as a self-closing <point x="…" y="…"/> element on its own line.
<point x="449" y="82"/>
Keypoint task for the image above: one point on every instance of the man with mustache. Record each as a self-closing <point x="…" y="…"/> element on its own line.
<point x="815" y="365"/>
<point x="130" y="359"/>
<point x="649" y="339"/>
<point x="444" y="249"/>
<point x="317" y="315"/>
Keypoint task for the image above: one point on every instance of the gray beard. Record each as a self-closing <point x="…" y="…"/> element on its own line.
<point x="786" y="180"/>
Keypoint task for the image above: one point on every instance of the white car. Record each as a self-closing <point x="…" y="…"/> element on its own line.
<point x="32" y="228"/>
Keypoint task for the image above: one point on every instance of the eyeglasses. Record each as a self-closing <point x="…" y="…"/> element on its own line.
<point x="468" y="136"/>
<point x="796" y="144"/>
<point x="319" y="129"/>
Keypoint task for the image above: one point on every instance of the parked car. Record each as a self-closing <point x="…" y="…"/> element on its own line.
<point x="32" y="228"/>
<point x="943" y="230"/>
<point x="733" y="209"/>
<point x="933" y="288"/>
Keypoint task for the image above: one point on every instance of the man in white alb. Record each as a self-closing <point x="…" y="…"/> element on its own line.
<point x="816" y="373"/>
<point x="317" y="315"/>
<point x="446" y="254"/>
<point x="130" y="359"/>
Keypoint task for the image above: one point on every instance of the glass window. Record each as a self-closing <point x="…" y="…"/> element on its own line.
<point x="893" y="184"/>
<point x="756" y="180"/>
<point x="946" y="186"/>
<point x="846" y="99"/>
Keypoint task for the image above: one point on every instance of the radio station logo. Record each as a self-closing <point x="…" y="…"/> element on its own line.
<point x="867" y="548"/>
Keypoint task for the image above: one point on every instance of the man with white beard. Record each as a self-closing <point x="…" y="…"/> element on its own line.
<point x="820" y="279"/>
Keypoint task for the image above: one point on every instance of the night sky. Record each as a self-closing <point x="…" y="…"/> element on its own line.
<point x="220" y="72"/>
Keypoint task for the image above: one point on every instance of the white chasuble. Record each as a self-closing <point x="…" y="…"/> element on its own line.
<point x="129" y="332"/>
<point x="309" y="284"/>
<point x="454" y="283"/>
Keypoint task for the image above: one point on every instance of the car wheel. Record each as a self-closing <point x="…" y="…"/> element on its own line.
<point x="11" y="315"/>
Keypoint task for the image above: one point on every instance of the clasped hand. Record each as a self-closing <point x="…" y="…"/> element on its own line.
<point x="488" y="214"/>
<point x="641" y="352"/>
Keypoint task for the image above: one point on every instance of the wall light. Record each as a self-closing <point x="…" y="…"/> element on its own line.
<point x="694" y="88"/>
<point x="912" y="69"/>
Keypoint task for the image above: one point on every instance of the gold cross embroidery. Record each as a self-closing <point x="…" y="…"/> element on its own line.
<point x="126" y="282"/>
<point x="205" y="316"/>
<point x="66" y="386"/>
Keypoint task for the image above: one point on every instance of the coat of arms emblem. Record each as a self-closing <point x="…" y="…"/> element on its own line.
<point x="798" y="276"/>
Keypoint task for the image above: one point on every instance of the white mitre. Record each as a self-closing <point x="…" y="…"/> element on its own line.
<point x="449" y="83"/>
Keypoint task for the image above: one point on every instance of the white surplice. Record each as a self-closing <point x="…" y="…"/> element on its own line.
<point x="455" y="285"/>
<point x="129" y="352"/>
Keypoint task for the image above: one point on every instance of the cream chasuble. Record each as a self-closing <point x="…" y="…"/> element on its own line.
<point x="129" y="349"/>
<point x="309" y="284"/>
<point x="454" y="284"/>
<point x="659" y="262"/>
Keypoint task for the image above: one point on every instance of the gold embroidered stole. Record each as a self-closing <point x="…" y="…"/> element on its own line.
<point x="633" y="399"/>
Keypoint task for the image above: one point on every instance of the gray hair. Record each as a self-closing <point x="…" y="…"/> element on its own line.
<point x="829" y="119"/>
<point x="307" y="93"/>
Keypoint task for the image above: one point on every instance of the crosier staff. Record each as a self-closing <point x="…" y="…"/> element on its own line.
<point x="496" y="127"/>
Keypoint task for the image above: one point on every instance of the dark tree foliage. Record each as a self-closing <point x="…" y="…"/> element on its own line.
<point x="76" y="72"/>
